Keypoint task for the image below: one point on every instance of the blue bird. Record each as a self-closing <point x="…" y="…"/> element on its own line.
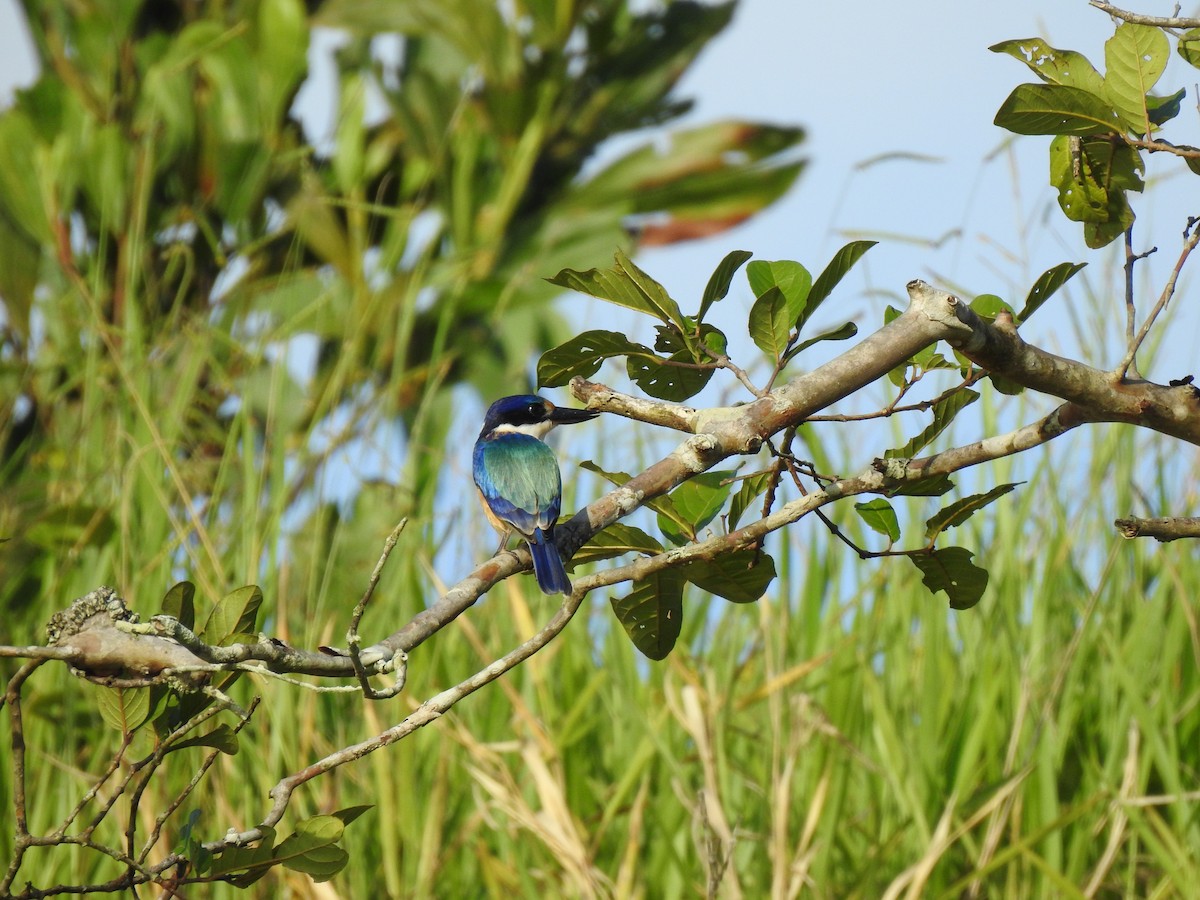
<point x="518" y="479"/>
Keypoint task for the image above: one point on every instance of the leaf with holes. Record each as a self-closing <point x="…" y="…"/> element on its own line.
<point x="952" y="571"/>
<point x="652" y="613"/>
<point x="583" y="356"/>
<point x="1054" y="66"/>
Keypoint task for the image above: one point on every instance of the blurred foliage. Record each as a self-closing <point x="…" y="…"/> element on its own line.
<point x="170" y="236"/>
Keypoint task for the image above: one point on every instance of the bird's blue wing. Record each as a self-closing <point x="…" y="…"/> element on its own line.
<point x="518" y="478"/>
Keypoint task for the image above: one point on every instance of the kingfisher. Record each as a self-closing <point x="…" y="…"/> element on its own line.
<point x="518" y="479"/>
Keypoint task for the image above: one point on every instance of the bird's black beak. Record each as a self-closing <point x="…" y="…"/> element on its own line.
<point x="562" y="415"/>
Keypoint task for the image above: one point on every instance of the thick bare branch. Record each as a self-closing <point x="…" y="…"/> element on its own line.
<point x="1161" y="529"/>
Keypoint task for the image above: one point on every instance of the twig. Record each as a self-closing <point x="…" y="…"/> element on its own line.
<point x="1141" y="19"/>
<point x="1161" y="529"/>
<point x="1191" y="237"/>
<point x="400" y="659"/>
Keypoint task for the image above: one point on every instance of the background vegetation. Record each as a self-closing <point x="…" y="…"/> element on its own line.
<point x="203" y="308"/>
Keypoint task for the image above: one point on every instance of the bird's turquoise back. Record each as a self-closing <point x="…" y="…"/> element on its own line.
<point x="519" y="480"/>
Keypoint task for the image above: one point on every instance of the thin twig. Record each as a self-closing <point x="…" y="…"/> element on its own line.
<point x="1191" y="237"/>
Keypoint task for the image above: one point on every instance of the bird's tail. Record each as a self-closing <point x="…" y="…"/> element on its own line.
<point x="548" y="565"/>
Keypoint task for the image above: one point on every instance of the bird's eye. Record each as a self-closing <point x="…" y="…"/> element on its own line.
<point x="536" y="410"/>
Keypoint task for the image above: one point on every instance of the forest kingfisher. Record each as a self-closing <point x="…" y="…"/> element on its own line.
<point x="518" y="479"/>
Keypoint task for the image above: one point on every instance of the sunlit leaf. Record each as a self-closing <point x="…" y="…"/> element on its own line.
<point x="1056" y="109"/>
<point x="697" y="502"/>
<point x="124" y="708"/>
<point x="771" y="320"/>
<point x="1054" y="66"/>
<point x="1134" y="58"/>
<point x="879" y="516"/>
<point x="234" y="614"/>
<point x="625" y="285"/>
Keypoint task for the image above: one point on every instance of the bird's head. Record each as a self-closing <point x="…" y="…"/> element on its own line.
<point x="530" y="414"/>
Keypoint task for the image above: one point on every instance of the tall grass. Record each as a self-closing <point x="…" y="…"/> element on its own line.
<point x="848" y="736"/>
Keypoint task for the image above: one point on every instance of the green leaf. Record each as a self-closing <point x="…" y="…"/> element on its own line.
<point x="926" y="487"/>
<point x="697" y="502"/>
<point x="952" y="571"/>
<point x="752" y="487"/>
<point x="1189" y="47"/>
<point x="254" y="861"/>
<point x="958" y="512"/>
<point x="616" y="540"/>
<point x="1163" y="109"/>
<point x="1054" y="66"/>
<point x="350" y="813"/>
<point x="843" y="261"/>
<point x="664" y="381"/>
<point x="944" y="412"/>
<point x="988" y="306"/>
<point x="1092" y="176"/>
<point x="740" y="577"/>
<point x="312" y="849"/>
<point x="625" y="285"/>
<point x="789" y="276"/>
<point x="1134" y="57"/>
<point x="841" y="333"/>
<point x="221" y="738"/>
<point x="771" y="320"/>
<point x="125" y="709"/>
<point x="235" y="614"/>
<point x="722" y="277"/>
<point x="1046" y="286"/>
<point x="1055" y="109"/>
<point x="662" y="505"/>
<point x="179" y="602"/>
<point x="879" y="516"/>
<point x="652" y="614"/>
<point x="583" y="355"/>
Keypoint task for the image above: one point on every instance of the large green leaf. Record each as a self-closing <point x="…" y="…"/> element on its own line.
<point x="771" y="321"/>
<point x="616" y="540"/>
<point x="235" y="614"/>
<point x="740" y="577"/>
<point x="697" y="502"/>
<point x="952" y="571"/>
<point x="752" y="487"/>
<point x="1189" y="47"/>
<point x="1134" y="57"/>
<point x="661" y="379"/>
<point x="1054" y="66"/>
<point x="652" y="613"/>
<point x="625" y="285"/>
<point x="125" y="709"/>
<point x="1056" y="109"/>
